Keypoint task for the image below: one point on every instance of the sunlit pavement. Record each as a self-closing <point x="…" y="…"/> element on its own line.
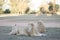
<point x="6" y="15"/>
<point x="49" y="21"/>
<point x="17" y="14"/>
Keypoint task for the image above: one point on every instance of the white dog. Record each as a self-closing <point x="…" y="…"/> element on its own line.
<point x="15" y="30"/>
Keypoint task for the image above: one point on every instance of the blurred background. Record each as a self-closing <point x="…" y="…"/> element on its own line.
<point x="38" y="7"/>
<point x="21" y="12"/>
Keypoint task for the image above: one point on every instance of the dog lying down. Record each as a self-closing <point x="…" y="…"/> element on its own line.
<point x="31" y="30"/>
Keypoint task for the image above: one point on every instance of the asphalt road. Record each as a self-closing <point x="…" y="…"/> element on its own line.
<point x="51" y="34"/>
<point x="51" y="21"/>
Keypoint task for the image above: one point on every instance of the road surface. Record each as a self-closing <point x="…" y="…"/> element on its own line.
<point x="51" y="34"/>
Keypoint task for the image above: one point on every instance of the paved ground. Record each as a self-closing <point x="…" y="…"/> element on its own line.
<point x="49" y="21"/>
<point x="52" y="33"/>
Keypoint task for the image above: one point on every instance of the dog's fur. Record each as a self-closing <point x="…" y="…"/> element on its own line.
<point x="41" y="27"/>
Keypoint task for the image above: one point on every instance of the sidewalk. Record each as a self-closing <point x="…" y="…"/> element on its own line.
<point x="6" y="15"/>
<point x="17" y="14"/>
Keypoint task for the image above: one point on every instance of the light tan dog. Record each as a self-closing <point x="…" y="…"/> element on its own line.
<point x="32" y="31"/>
<point x="41" y="27"/>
